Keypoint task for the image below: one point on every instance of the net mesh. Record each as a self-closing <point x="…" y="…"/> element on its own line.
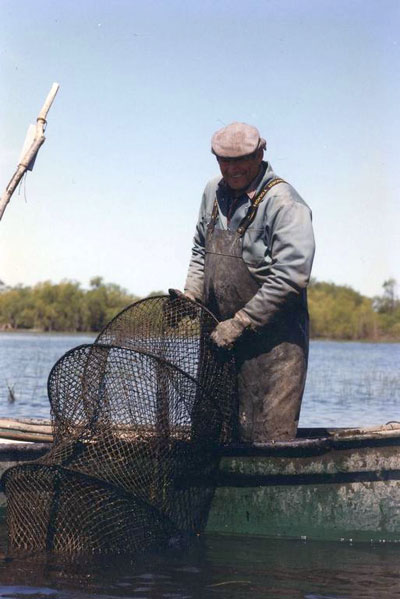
<point x="136" y="415"/>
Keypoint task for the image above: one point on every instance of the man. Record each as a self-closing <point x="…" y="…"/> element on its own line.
<point x="250" y="265"/>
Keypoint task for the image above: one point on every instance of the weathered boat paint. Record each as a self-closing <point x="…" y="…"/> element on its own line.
<point x="341" y="484"/>
<point x="350" y="490"/>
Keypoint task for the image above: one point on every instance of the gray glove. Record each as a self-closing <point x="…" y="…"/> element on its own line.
<point x="228" y="331"/>
<point x="174" y="293"/>
<point x="179" y="306"/>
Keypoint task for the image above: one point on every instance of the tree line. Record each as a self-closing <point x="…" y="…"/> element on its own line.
<point x="62" y="307"/>
<point x="336" y="312"/>
<point x="339" y="312"/>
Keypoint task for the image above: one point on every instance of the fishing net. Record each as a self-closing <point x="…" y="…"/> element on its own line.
<point x="138" y="417"/>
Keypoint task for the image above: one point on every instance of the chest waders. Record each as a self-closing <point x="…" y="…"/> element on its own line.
<point x="272" y="362"/>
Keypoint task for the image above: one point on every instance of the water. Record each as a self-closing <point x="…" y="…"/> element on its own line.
<point x="215" y="567"/>
<point x="349" y="384"/>
<point x="25" y="362"/>
<point x="352" y="384"/>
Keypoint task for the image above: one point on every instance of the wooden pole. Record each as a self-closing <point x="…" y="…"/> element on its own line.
<point x="32" y="150"/>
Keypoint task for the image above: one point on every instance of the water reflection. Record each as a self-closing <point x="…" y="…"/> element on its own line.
<point x="221" y="567"/>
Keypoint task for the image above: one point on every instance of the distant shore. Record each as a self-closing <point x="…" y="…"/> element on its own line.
<point x="337" y="312"/>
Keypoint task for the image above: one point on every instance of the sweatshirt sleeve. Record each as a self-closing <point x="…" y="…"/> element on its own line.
<point x="195" y="276"/>
<point x="292" y="248"/>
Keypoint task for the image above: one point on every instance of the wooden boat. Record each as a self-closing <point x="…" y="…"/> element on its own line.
<point x="331" y="484"/>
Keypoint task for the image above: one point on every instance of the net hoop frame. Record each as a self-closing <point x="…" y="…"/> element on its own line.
<point x="143" y="299"/>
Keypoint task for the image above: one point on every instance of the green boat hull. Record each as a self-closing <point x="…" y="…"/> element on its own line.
<point x="342" y="494"/>
<point x="327" y="484"/>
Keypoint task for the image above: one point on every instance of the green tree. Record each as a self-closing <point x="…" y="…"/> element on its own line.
<point x="339" y="312"/>
<point x="388" y="302"/>
<point x="16" y="308"/>
<point x="63" y="306"/>
<point x="388" y="308"/>
<point x="104" y="301"/>
<point x="59" y="307"/>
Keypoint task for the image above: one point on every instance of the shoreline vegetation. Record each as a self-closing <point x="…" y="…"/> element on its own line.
<point x="337" y="312"/>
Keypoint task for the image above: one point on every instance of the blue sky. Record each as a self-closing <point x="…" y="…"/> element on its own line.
<point x="116" y="187"/>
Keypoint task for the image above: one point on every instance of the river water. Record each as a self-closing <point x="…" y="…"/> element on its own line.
<point x="349" y="384"/>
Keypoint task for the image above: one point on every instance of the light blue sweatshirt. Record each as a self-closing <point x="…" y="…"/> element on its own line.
<point x="278" y="246"/>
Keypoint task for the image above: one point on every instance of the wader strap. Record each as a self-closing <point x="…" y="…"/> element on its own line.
<point x="214" y="216"/>
<point x="252" y="211"/>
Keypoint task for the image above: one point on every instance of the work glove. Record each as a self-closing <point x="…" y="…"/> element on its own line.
<point x="175" y="293"/>
<point x="228" y="331"/>
<point x="175" y="310"/>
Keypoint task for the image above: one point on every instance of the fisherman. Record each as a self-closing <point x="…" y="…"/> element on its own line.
<point x="251" y="263"/>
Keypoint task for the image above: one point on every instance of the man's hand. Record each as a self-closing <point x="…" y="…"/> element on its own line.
<point x="175" y="293"/>
<point x="228" y="331"/>
<point x="178" y="307"/>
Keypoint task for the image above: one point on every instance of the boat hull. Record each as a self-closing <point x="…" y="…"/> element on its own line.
<point x="332" y="485"/>
<point x="348" y="494"/>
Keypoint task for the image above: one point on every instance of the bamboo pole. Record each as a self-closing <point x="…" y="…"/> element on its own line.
<point x="30" y="154"/>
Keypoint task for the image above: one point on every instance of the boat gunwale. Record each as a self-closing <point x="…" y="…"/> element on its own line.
<point x="309" y="441"/>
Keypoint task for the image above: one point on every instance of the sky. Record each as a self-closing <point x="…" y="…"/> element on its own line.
<point x="116" y="188"/>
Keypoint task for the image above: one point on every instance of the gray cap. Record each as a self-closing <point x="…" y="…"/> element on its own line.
<point x="235" y="140"/>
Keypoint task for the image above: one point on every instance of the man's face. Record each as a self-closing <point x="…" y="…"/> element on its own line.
<point x="238" y="173"/>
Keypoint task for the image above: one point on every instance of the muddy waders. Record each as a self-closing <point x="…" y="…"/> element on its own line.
<point x="271" y="362"/>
